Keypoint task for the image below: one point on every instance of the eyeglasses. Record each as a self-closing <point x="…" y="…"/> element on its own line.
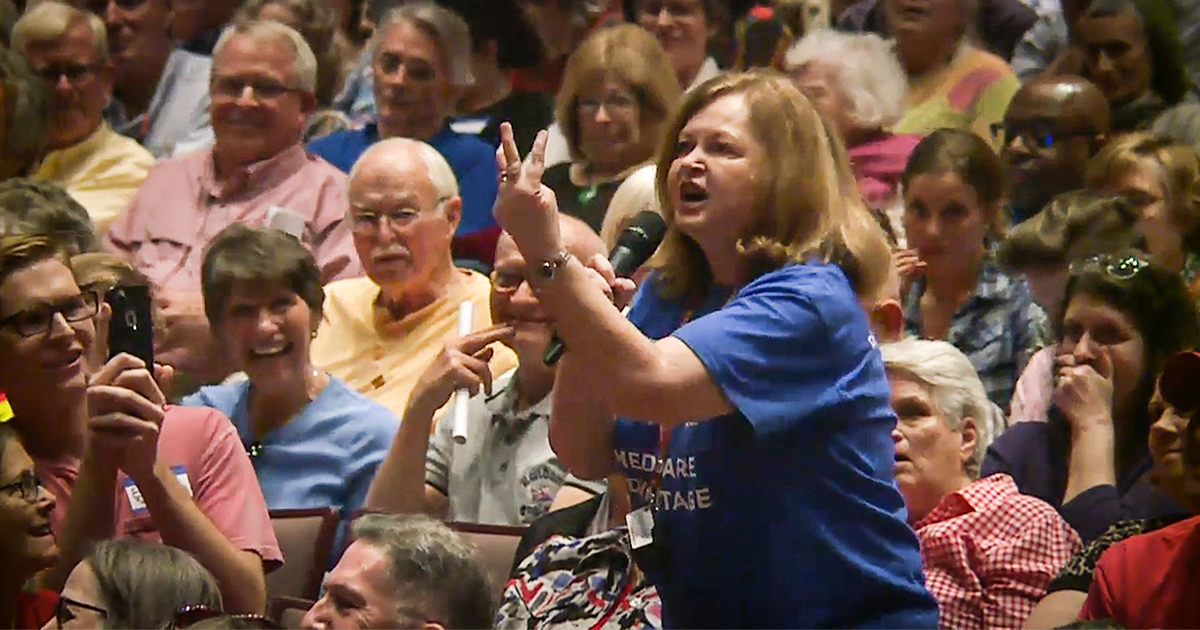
<point x="364" y="223"/>
<point x="74" y="73"/>
<point x="1034" y="138"/>
<point x="191" y="615"/>
<point x="260" y="89"/>
<point x="26" y="485"/>
<point x="1123" y="268"/>
<point x="507" y="280"/>
<point x="390" y="63"/>
<point x="613" y="103"/>
<point x="35" y="321"/>
<point x="63" y="614"/>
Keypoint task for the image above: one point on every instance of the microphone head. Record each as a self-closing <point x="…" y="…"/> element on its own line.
<point x="644" y="234"/>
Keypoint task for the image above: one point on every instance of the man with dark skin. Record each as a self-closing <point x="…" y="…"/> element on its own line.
<point x="1053" y="126"/>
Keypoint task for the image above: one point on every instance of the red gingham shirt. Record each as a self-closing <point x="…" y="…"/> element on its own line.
<point x="989" y="552"/>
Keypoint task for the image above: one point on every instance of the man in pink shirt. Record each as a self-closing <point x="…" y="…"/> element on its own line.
<point x="257" y="172"/>
<point x="119" y="460"/>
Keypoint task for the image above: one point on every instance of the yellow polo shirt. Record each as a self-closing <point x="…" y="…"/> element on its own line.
<point x="384" y="358"/>
<point x="102" y="172"/>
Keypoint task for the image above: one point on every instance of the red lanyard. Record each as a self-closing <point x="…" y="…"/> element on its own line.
<point x="660" y="464"/>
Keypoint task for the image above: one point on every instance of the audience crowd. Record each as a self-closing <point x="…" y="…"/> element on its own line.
<point x="913" y="340"/>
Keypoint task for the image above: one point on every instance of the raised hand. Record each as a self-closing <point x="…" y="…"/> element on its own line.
<point x="126" y="407"/>
<point x="525" y="207"/>
<point x="462" y="363"/>
<point x="910" y="266"/>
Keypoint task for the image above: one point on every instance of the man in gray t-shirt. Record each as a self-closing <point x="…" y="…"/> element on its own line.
<point x="505" y="473"/>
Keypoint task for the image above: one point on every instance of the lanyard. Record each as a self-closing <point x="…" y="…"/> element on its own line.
<point x="660" y="464"/>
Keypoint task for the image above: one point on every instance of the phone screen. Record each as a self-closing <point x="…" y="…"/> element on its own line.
<point x="132" y="327"/>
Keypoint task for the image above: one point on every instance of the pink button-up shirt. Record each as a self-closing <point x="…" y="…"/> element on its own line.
<point x="181" y="207"/>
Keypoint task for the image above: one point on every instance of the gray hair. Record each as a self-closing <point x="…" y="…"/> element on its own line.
<point x="952" y="381"/>
<point x="259" y="31"/>
<point x="434" y="573"/>
<point x="145" y="584"/>
<point x="51" y="20"/>
<point x="440" y="173"/>
<point x="35" y="207"/>
<point x="867" y="72"/>
<point x="27" y="105"/>
<point x="446" y="27"/>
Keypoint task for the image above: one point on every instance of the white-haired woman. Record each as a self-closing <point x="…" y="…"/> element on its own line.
<point x="988" y="551"/>
<point x="859" y="87"/>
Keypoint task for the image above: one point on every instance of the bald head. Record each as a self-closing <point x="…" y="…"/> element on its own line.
<point x="1072" y="97"/>
<point x="387" y="152"/>
<point x="578" y="238"/>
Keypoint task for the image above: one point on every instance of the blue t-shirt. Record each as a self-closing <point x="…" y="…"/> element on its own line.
<point x="784" y="514"/>
<point x="471" y="159"/>
<point x="325" y="456"/>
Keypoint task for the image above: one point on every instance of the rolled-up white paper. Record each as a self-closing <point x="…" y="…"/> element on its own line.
<point x="466" y="319"/>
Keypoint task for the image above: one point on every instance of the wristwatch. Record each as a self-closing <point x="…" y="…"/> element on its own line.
<point x="547" y="268"/>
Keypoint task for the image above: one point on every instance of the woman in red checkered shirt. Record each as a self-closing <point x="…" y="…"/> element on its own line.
<point x="988" y="551"/>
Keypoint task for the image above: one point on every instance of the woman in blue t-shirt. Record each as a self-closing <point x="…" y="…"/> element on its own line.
<point x="755" y="431"/>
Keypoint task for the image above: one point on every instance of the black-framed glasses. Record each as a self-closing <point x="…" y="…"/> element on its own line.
<point x="261" y="89"/>
<point x="63" y="613"/>
<point x="37" y="320"/>
<point x="27" y="486"/>
<point x="189" y="616"/>
<point x="74" y="73"/>
<point x="1034" y="137"/>
<point x="1121" y="268"/>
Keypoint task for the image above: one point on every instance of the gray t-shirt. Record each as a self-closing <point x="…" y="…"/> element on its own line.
<point x="506" y="473"/>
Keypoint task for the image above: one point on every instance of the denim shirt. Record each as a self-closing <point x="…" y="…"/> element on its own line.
<point x="999" y="328"/>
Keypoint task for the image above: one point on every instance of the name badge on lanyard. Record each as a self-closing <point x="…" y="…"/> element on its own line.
<point x="138" y="502"/>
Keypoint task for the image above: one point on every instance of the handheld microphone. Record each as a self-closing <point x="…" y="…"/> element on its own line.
<point x="634" y="247"/>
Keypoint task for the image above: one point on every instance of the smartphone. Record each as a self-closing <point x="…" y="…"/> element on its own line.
<point x="132" y="327"/>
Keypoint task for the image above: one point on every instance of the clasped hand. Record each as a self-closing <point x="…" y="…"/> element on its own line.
<point x="126" y="407"/>
<point x="1083" y="392"/>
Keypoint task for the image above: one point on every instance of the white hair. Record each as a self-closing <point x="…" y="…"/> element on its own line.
<point x="867" y="71"/>
<point x="440" y="173"/>
<point x="634" y="195"/>
<point x="259" y="31"/>
<point x="953" y="383"/>
<point x="48" y="21"/>
<point x="446" y="27"/>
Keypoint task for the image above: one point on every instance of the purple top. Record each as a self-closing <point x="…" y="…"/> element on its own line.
<point x="1036" y="456"/>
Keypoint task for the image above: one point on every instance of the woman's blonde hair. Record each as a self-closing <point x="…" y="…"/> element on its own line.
<point x="1180" y="168"/>
<point x="629" y="54"/>
<point x="806" y="206"/>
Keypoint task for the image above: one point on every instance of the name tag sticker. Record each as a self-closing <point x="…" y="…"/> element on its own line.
<point x="469" y="126"/>
<point x="181" y="476"/>
<point x="135" y="498"/>
<point x="286" y="220"/>
<point x="641" y="527"/>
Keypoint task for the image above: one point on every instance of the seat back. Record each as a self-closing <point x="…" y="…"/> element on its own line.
<point x="288" y="612"/>
<point x="306" y="539"/>
<point x="495" y="547"/>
